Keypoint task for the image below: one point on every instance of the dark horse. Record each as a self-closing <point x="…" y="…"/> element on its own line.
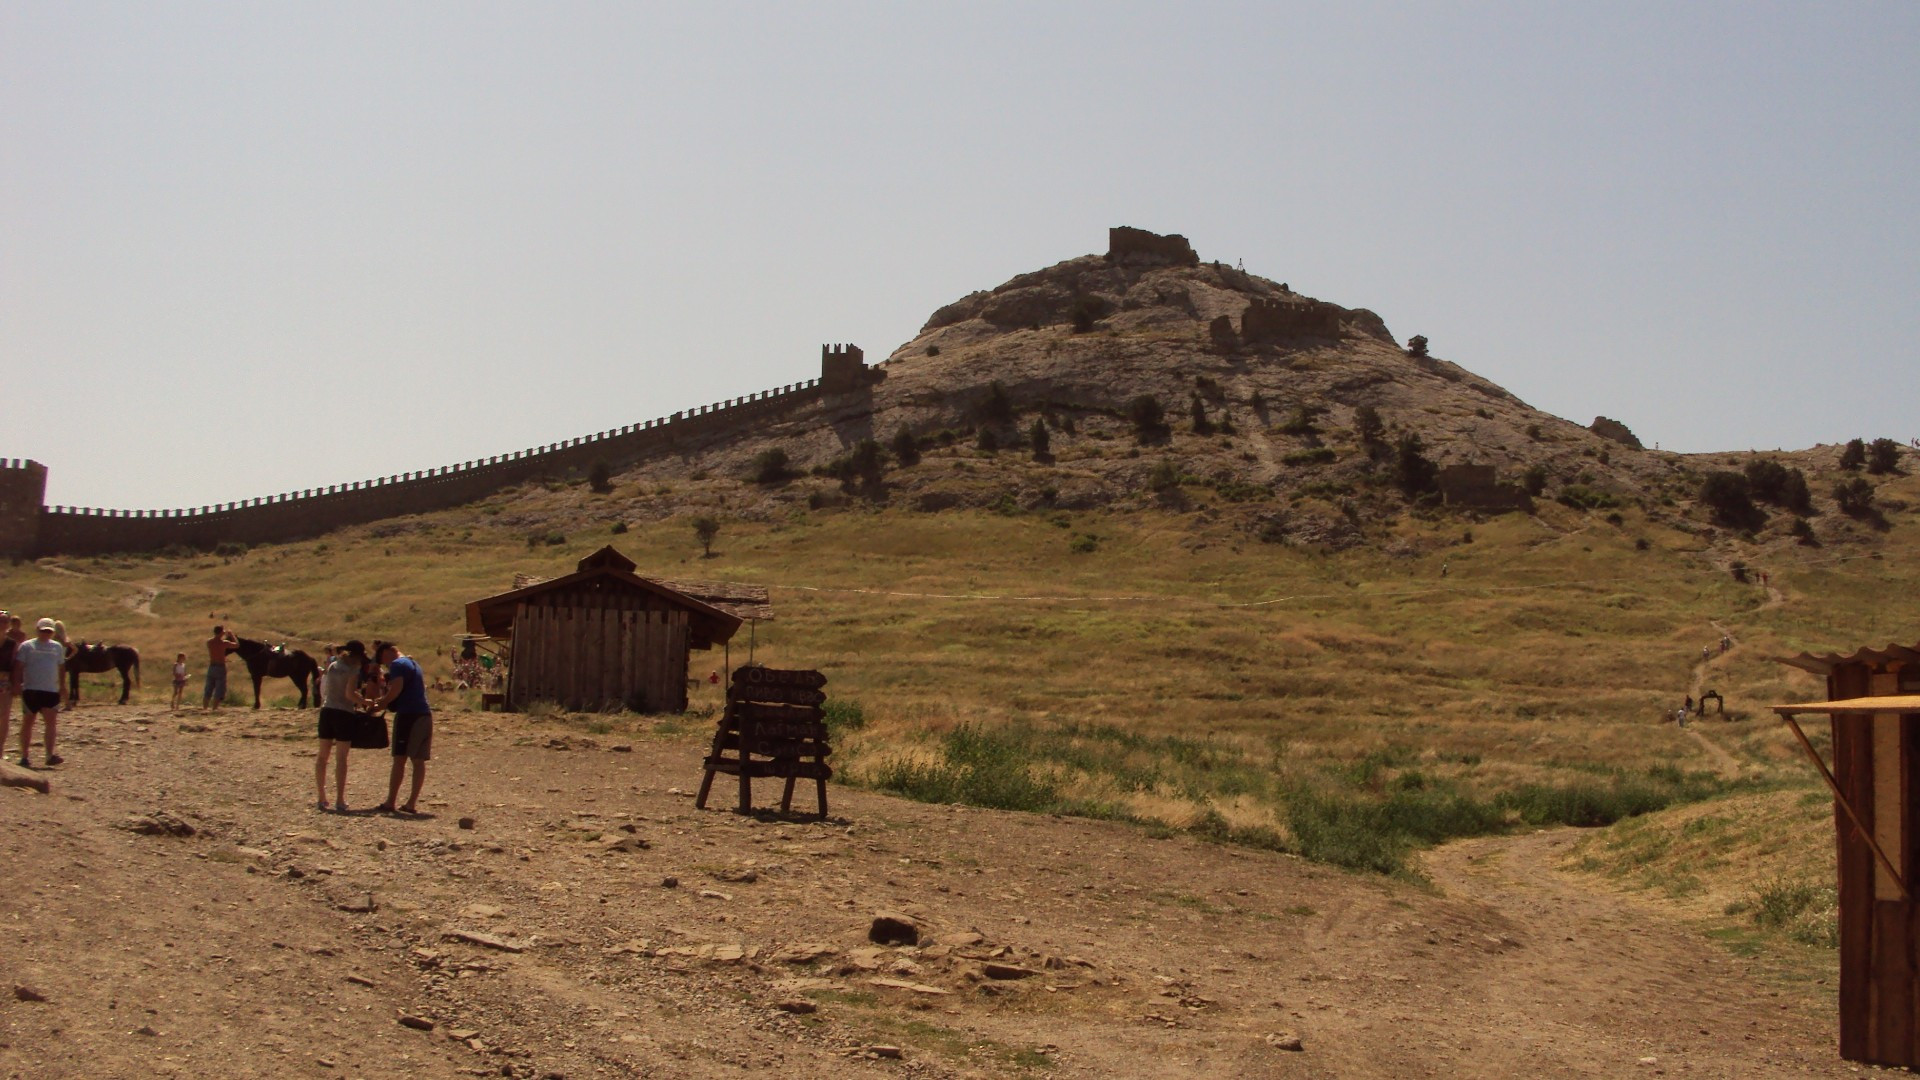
<point x="269" y="663"/>
<point x="96" y="658"/>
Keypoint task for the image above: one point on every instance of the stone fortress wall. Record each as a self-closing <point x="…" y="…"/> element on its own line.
<point x="29" y="528"/>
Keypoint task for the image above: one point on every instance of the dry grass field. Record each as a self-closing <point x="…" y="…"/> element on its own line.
<point x="1454" y="678"/>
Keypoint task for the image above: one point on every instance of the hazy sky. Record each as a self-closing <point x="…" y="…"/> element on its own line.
<point x="247" y="248"/>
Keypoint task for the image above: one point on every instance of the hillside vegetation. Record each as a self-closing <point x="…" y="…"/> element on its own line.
<point x="1455" y="677"/>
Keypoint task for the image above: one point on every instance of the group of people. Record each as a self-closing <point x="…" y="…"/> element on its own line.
<point x="355" y="689"/>
<point x="34" y="670"/>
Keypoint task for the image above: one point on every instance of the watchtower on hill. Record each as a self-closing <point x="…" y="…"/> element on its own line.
<point x="23" y="493"/>
<point x="843" y="368"/>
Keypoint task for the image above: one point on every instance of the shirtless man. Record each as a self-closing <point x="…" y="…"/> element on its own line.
<point x="218" y="646"/>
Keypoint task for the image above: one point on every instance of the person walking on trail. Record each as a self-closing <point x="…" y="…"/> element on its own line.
<point x="340" y="701"/>
<point x="40" y="668"/>
<point x="406" y="694"/>
<point x="218" y="646"/>
<point x="10" y="638"/>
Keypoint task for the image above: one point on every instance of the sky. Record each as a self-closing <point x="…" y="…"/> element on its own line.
<point x="252" y="248"/>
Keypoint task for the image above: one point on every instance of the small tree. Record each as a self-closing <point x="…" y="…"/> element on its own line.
<point x="1258" y="402"/>
<point x="1534" y="480"/>
<point x="906" y="448"/>
<point x="1767" y="479"/>
<point x="1042" y="442"/>
<point x="1730" y="498"/>
<point x="1855" y="496"/>
<point x="1794" y="494"/>
<point x="1854" y="455"/>
<point x="997" y="407"/>
<point x="986" y="440"/>
<point x="1165" y="476"/>
<point x="1417" y="346"/>
<point x="1368" y="425"/>
<point x="771" y="466"/>
<point x="1413" y="471"/>
<point x="600" y="477"/>
<point x="1883" y="457"/>
<point x="1201" y="425"/>
<point x="706" y="528"/>
<point x="1148" y="418"/>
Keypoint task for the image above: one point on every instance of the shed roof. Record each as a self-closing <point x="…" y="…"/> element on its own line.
<point x="1885" y="703"/>
<point x="493" y="615"/>
<point x="1824" y="664"/>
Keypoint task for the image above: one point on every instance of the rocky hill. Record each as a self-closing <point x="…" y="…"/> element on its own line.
<point x="1303" y="418"/>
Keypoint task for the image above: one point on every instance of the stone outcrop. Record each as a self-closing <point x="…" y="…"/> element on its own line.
<point x="1614" y="430"/>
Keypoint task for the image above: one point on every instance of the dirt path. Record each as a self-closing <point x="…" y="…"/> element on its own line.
<point x="140" y="601"/>
<point x="1055" y="947"/>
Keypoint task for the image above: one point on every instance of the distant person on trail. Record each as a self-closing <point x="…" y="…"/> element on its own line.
<point x="1706" y="653"/>
<point x="340" y="702"/>
<point x="39" y="668"/>
<point x="218" y="646"/>
<point x="1725" y="644"/>
<point x="10" y="637"/>
<point x="412" y="726"/>
<point x="179" y="680"/>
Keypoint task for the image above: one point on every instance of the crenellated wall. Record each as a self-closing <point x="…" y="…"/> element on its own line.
<point x="35" y="529"/>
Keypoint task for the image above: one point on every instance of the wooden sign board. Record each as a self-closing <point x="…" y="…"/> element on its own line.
<point x="774" y="693"/>
<point x="773" y="726"/>
<point x="766" y="676"/>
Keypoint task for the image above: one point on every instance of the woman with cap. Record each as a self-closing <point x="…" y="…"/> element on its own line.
<point x="339" y="703"/>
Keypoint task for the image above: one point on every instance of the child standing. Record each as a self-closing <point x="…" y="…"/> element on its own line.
<point x="179" y="679"/>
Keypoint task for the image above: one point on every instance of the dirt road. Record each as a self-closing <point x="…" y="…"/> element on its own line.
<point x="545" y="941"/>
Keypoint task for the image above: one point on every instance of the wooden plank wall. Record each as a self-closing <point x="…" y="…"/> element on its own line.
<point x="602" y="657"/>
<point x="1877" y="766"/>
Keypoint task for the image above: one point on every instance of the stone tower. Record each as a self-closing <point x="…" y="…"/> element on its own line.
<point x="23" y="493"/>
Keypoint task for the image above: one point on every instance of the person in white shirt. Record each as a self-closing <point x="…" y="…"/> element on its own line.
<point x="39" y="669"/>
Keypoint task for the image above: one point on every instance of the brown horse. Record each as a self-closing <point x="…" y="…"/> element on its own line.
<point x="96" y="658"/>
<point x="265" y="662"/>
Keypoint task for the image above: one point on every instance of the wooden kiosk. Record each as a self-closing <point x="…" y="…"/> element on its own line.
<point x="1873" y="702"/>
<point x="601" y="638"/>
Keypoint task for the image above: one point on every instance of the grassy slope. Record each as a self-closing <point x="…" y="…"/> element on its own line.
<point x="1233" y="681"/>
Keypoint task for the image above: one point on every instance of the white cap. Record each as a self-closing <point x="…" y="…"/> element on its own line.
<point x="43" y="624"/>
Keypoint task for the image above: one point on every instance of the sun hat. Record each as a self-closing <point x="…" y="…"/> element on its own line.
<point x="44" y="624"/>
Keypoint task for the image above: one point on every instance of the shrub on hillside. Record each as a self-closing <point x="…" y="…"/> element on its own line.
<point x="1040" y="440"/>
<point x="1417" y="346"/>
<point x="771" y="466"/>
<point x="905" y="448"/>
<point x="1148" y="417"/>
<point x="1368" y="425"/>
<point x="1413" y="471"/>
<point x="600" y="477"/>
<point x="1198" y="409"/>
<point x="996" y="407"/>
<point x="1883" y="457"/>
<point x="1730" y="498"/>
<point x="1853" y="455"/>
<point x="1855" y="496"/>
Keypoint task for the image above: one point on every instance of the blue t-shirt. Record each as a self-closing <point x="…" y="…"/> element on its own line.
<point x="412" y="698"/>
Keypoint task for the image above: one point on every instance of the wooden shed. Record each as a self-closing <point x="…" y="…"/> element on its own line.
<point x="1873" y="702"/>
<point x="601" y="638"/>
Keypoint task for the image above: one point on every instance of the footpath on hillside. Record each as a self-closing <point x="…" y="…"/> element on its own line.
<point x="592" y="922"/>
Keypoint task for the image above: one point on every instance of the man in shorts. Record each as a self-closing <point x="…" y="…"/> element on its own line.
<point x="39" y="669"/>
<point x="218" y="646"/>
<point x="10" y="636"/>
<point x="406" y="697"/>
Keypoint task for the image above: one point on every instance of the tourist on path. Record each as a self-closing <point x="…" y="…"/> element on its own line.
<point x="218" y="646"/>
<point x="179" y="680"/>
<point x="340" y="702"/>
<point x="40" y="668"/>
<point x="10" y="637"/>
<point x="412" y="726"/>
